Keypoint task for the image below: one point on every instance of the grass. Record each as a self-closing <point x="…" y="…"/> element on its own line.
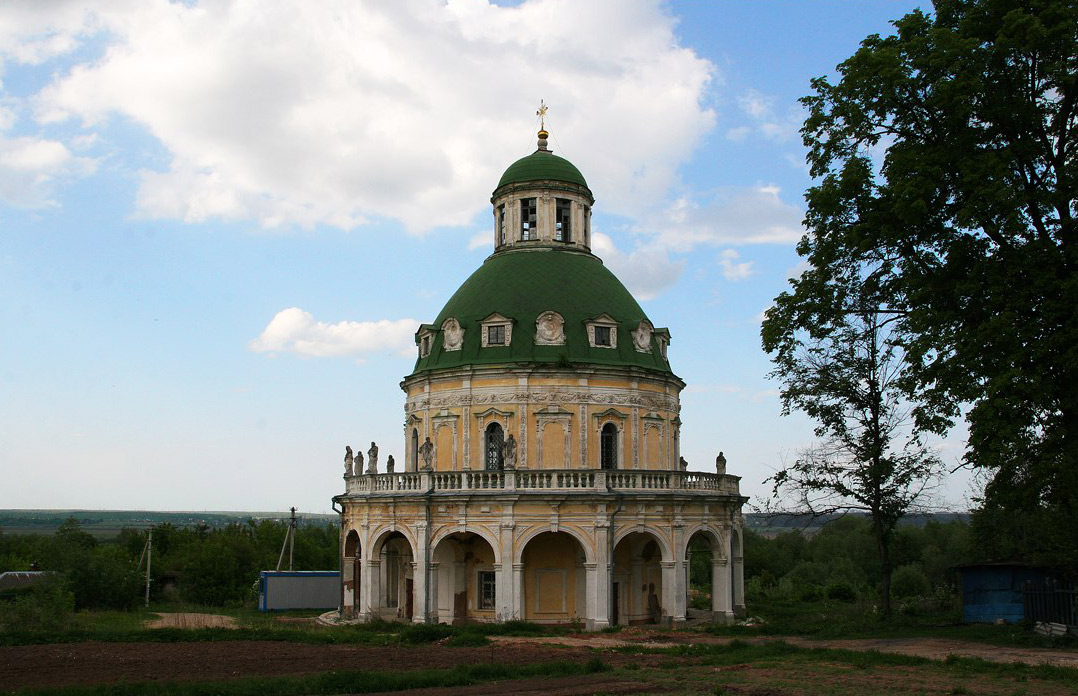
<point x="127" y="627"/>
<point x="838" y="620"/>
<point x="353" y="682"/>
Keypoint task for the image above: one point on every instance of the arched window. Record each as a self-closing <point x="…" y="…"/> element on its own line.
<point x="494" y="439"/>
<point x="415" y="449"/>
<point x="608" y="447"/>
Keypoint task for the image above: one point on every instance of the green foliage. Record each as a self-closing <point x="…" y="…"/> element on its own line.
<point x="967" y="231"/>
<point x="46" y="607"/>
<point x="909" y="581"/>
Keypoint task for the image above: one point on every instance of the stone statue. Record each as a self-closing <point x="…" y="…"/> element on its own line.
<point x="372" y="459"/>
<point x="347" y="460"/>
<point x="509" y="453"/>
<point x="390" y="464"/>
<point x="359" y="463"/>
<point x="720" y="464"/>
<point x="684" y="464"/>
<point x="426" y="451"/>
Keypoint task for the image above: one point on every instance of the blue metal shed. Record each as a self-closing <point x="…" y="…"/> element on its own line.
<point x="299" y="589"/>
<point x="994" y="591"/>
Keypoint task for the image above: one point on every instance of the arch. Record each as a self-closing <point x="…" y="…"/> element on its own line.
<point x="465" y="581"/>
<point x="493" y="455"/>
<point x="521" y="542"/>
<point x="663" y="543"/>
<point x="641" y="578"/>
<point x="608" y="447"/>
<point x="482" y="532"/>
<point x="554" y="573"/>
<point x="350" y="574"/>
<point x="378" y="539"/>
<point x="715" y="537"/>
<point x="352" y="547"/>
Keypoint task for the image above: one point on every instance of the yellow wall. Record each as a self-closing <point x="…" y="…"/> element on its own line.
<point x="551" y="578"/>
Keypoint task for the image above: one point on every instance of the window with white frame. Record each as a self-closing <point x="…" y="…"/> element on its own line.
<point x="603" y="332"/>
<point x="496" y="330"/>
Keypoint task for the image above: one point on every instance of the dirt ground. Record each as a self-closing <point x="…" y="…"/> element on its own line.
<point x="97" y="663"/>
<point x="94" y="662"/>
<point x="191" y="620"/>
<point x="932" y="648"/>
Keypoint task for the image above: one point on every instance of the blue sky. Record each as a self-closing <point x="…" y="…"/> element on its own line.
<point x="220" y="222"/>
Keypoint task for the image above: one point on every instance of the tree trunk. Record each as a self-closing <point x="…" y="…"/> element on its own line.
<point x="884" y="546"/>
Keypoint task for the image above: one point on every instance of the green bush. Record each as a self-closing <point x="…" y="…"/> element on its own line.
<point x="841" y="591"/>
<point x="909" y="581"/>
<point x="48" y="606"/>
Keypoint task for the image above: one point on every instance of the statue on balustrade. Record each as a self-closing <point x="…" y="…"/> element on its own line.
<point x="359" y="463"/>
<point x="347" y="460"/>
<point x="372" y="459"/>
<point x="426" y="451"/>
<point x="720" y="464"/>
<point x="509" y="453"/>
<point x="390" y="464"/>
<point x="684" y="464"/>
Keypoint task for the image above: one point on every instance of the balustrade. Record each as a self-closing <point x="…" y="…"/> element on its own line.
<point x="597" y="480"/>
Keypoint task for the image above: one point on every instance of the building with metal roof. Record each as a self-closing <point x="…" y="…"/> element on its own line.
<point x="542" y="478"/>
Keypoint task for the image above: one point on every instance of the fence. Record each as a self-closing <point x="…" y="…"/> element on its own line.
<point x="1051" y="602"/>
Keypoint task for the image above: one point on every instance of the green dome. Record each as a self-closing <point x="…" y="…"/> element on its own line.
<point x="521" y="284"/>
<point x="542" y="165"/>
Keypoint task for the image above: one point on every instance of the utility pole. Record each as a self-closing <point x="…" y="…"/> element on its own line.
<point x="149" y="558"/>
<point x="292" y="537"/>
<point x="289" y="541"/>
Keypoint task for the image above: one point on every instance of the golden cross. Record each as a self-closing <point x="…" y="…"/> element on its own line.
<point x="541" y="113"/>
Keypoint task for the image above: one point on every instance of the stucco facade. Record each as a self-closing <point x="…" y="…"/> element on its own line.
<point x="542" y="477"/>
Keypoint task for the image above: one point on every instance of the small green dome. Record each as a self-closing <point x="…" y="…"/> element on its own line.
<point x="542" y="165"/>
<point x="521" y="284"/>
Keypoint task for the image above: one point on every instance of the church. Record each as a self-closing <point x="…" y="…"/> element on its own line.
<point x="542" y="479"/>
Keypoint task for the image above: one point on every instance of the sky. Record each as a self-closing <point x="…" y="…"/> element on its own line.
<point x="222" y="221"/>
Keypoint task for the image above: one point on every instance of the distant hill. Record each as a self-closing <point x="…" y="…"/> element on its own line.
<point x="105" y="523"/>
<point x="770" y="525"/>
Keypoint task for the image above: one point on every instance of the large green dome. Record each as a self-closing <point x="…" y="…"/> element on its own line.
<point x="521" y="284"/>
<point x="542" y="165"/>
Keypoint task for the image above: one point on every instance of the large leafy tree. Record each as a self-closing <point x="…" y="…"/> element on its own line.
<point x="945" y="160"/>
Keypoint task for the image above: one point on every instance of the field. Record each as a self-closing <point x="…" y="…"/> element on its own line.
<point x="116" y="653"/>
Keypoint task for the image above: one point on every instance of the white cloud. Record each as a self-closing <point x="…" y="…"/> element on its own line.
<point x="293" y="330"/>
<point x="30" y="167"/>
<point x="480" y="240"/>
<point x="734" y="271"/>
<point x="756" y="215"/>
<point x="646" y="271"/>
<point x="765" y="120"/>
<point x="339" y="111"/>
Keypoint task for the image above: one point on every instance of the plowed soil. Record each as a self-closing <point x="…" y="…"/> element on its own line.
<point x="97" y="663"/>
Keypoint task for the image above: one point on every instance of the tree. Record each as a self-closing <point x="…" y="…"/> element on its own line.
<point x="969" y="221"/>
<point x="845" y="372"/>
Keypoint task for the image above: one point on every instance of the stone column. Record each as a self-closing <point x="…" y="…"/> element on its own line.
<point x="720" y="586"/>
<point x="670" y="583"/>
<point x="370" y="587"/>
<point x="738" y="581"/>
<point x="517" y="598"/>
<point x="636" y="582"/>
<point x="599" y="611"/>
<point x="505" y="582"/>
<point x="681" y="577"/>
<point x="421" y="604"/>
